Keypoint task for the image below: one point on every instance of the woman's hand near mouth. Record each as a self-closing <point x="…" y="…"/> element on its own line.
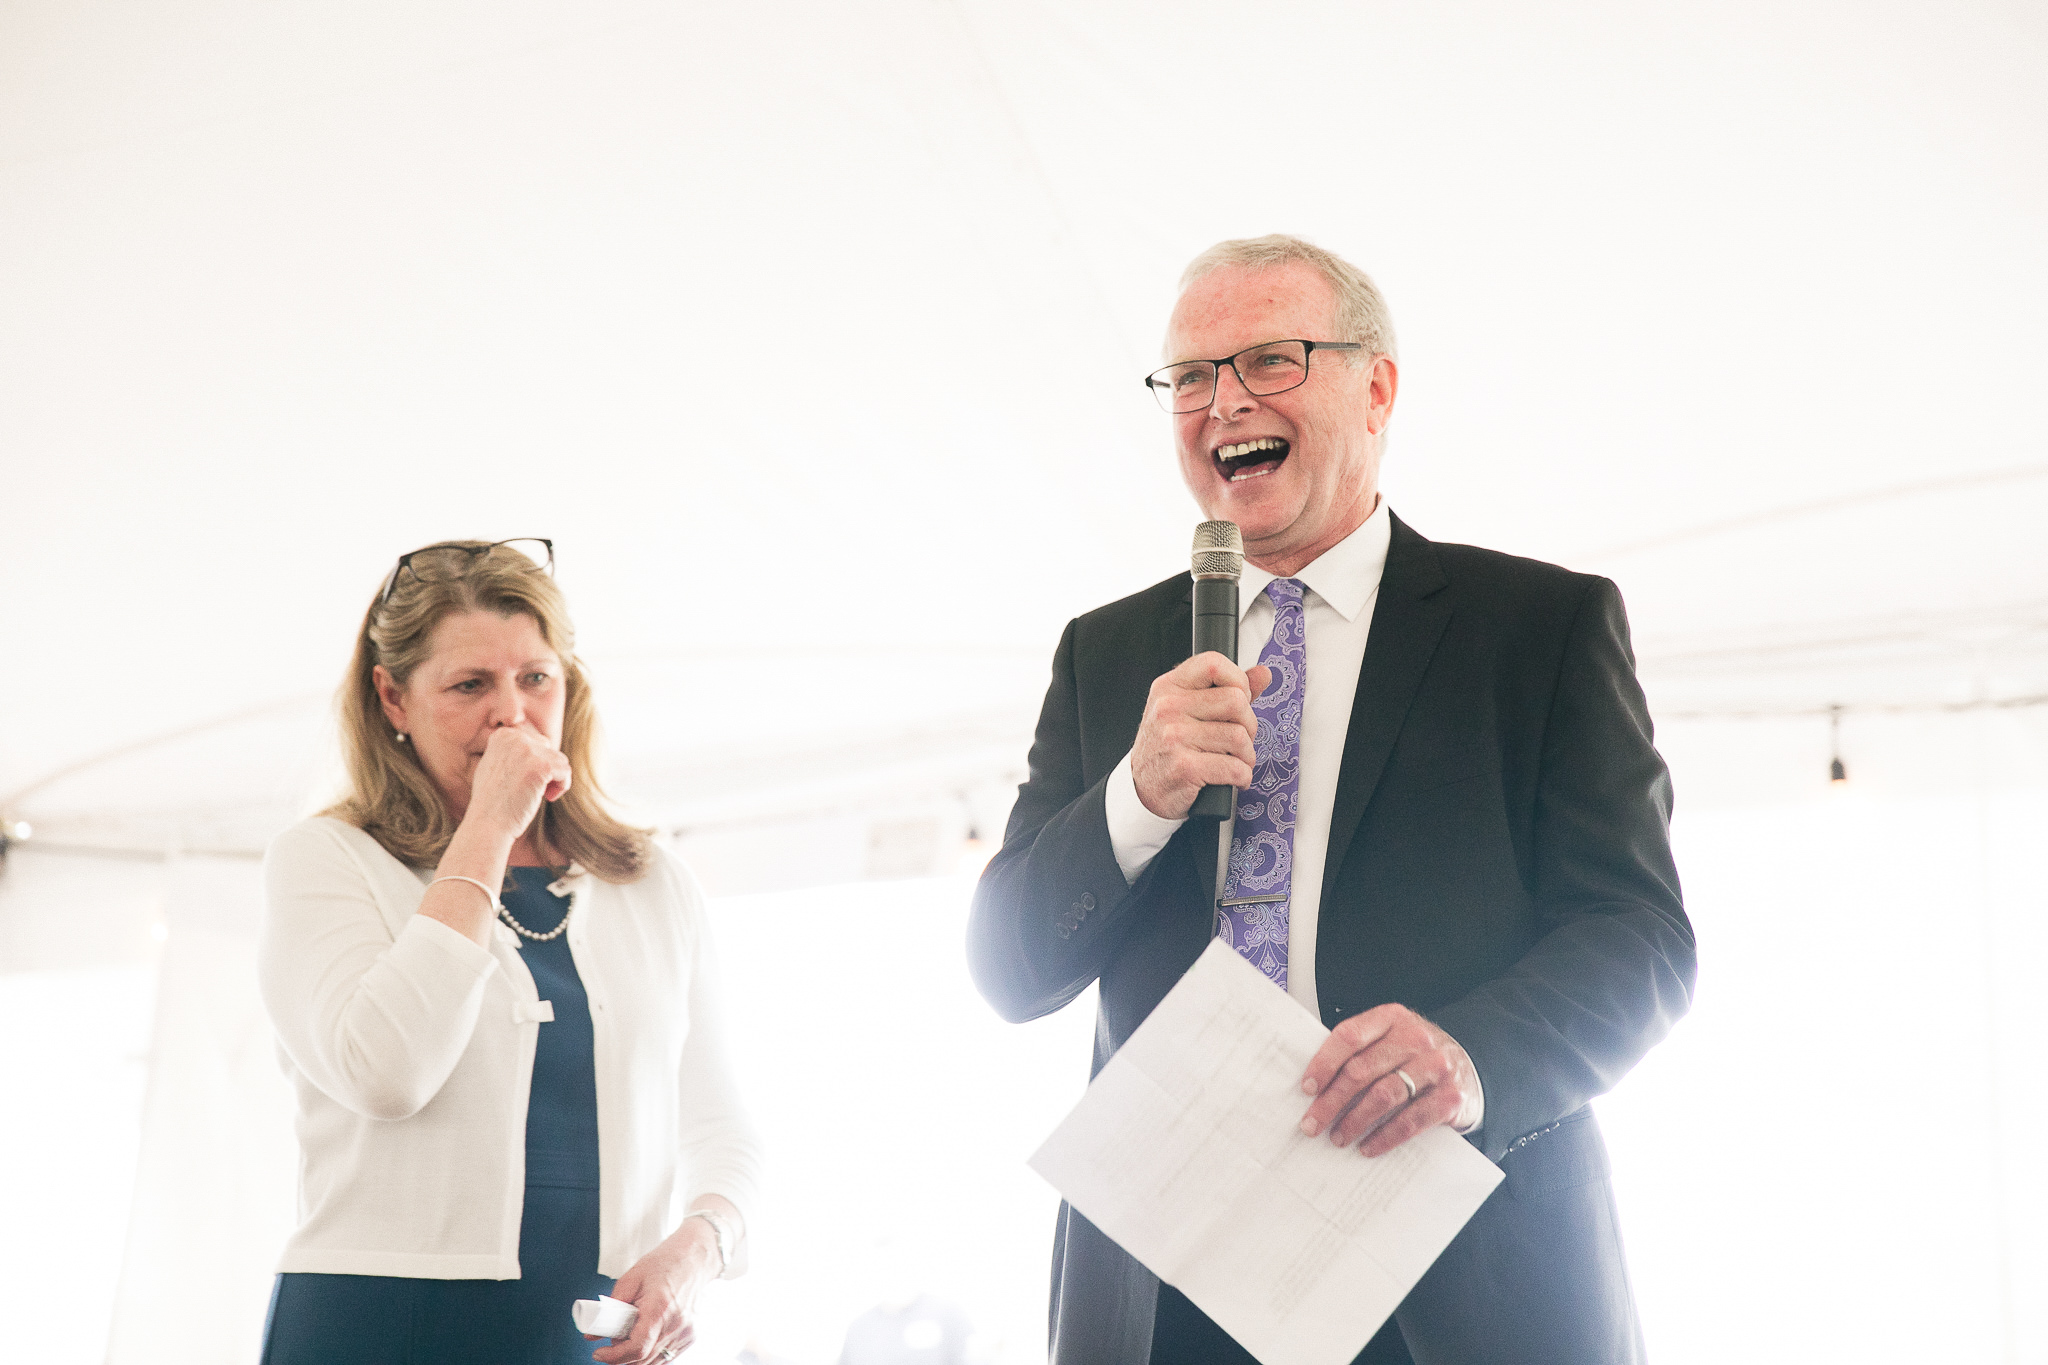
<point x="520" y="768"/>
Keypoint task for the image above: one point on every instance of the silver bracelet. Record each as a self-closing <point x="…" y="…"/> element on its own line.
<point x="489" y="894"/>
<point x="721" y="1234"/>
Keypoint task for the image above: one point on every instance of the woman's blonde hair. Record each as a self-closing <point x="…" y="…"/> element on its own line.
<point x="392" y="798"/>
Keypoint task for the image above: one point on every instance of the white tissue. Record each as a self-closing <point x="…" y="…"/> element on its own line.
<point x="604" y="1316"/>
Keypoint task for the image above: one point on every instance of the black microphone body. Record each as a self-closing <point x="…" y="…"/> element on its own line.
<point x="1215" y="628"/>
<point x="1216" y="565"/>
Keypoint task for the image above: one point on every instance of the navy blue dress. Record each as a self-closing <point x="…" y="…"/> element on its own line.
<point x="388" y="1320"/>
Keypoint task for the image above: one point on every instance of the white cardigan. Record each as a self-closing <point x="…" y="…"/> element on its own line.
<point x="411" y="1049"/>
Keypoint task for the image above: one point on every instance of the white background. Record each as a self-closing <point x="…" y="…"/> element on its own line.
<point x="812" y="335"/>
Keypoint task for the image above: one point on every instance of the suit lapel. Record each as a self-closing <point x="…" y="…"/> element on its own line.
<point x="1407" y="622"/>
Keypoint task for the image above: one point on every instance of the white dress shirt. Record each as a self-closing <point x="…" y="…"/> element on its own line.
<point x="411" y="1049"/>
<point x="1343" y="587"/>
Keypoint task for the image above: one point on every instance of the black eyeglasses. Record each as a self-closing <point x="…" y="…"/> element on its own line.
<point x="444" y="563"/>
<point x="1272" y="367"/>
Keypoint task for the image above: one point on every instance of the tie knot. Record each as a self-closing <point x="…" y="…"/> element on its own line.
<point x="1284" y="592"/>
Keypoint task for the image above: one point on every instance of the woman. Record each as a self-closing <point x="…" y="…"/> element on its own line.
<point x="496" y="1004"/>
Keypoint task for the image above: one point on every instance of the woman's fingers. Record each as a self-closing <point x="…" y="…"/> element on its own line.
<point x="662" y="1330"/>
<point x="520" y="768"/>
<point x="651" y="1349"/>
<point x="633" y="1349"/>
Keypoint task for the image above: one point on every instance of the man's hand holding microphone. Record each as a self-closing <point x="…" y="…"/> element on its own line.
<point x="1198" y="732"/>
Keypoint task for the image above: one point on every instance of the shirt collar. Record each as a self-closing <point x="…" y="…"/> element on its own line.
<point x="1346" y="575"/>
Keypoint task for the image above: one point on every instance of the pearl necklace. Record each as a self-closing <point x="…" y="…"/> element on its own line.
<point x="505" y="913"/>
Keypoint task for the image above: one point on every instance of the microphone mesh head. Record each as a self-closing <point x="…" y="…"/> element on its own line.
<point x="1219" y="550"/>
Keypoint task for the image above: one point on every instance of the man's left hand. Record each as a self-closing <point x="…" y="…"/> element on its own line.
<point x="1355" y="1077"/>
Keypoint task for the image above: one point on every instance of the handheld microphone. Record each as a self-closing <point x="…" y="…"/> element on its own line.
<point x="1217" y="564"/>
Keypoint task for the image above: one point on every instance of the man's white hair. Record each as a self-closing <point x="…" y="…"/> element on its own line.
<point x="1362" y="314"/>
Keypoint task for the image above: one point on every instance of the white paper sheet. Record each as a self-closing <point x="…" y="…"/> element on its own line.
<point x="1185" y="1150"/>
<point x="604" y="1316"/>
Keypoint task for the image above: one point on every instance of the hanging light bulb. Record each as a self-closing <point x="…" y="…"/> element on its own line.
<point x="1838" y="775"/>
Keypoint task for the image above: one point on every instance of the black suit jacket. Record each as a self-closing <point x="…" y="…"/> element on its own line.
<point x="1498" y="860"/>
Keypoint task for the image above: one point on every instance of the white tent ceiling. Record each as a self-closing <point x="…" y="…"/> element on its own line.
<point x="812" y="333"/>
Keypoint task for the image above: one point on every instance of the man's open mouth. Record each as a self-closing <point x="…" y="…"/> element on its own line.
<point x="1249" y="459"/>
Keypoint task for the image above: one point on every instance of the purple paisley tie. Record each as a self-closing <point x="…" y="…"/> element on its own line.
<point x="1252" y="914"/>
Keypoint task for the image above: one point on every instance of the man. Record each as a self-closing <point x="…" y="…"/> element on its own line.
<point x="1451" y="843"/>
